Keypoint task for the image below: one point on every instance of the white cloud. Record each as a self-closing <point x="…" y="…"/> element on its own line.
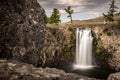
<point x="61" y="11"/>
<point x="93" y="14"/>
<point x="69" y="2"/>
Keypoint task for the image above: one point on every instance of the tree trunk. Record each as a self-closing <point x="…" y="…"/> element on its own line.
<point x="71" y="19"/>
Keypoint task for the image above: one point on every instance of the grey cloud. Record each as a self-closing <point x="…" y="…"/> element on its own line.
<point x="50" y="4"/>
<point x="86" y="5"/>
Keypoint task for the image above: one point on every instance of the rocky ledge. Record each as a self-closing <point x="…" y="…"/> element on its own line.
<point x="114" y="76"/>
<point x="14" y="70"/>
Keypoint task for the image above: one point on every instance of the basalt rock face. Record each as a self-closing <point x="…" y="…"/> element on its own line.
<point x="59" y="46"/>
<point x="107" y="46"/>
<point x="21" y="30"/>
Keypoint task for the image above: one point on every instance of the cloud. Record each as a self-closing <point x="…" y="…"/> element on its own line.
<point x="93" y="14"/>
<point x="69" y="2"/>
<point x="61" y="11"/>
<point x="79" y="6"/>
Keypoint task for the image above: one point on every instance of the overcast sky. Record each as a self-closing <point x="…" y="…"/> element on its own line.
<point x="83" y="9"/>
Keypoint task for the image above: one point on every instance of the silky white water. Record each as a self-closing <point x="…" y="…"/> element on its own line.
<point x="84" y="41"/>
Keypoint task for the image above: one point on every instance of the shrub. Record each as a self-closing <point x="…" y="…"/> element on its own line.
<point x="70" y="29"/>
<point x="98" y="51"/>
<point x="109" y="33"/>
<point x="105" y="30"/>
<point x="118" y="21"/>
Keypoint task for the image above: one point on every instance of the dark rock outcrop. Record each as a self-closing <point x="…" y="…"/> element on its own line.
<point x="114" y="76"/>
<point x="59" y="46"/>
<point x="21" y="30"/>
<point x="14" y="70"/>
<point x="107" y="46"/>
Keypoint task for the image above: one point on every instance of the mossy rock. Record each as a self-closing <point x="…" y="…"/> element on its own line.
<point x="98" y="51"/>
<point x="70" y="29"/>
<point x="105" y="30"/>
<point x="109" y="33"/>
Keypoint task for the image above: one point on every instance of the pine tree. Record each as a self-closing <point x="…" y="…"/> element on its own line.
<point x="112" y="10"/>
<point x="55" y="17"/>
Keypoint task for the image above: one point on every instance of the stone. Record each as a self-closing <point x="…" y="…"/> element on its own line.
<point x="114" y="76"/>
<point x="24" y="71"/>
<point x="59" y="47"/>
<point x="22" y="29"/>
<point x="106" y="46"/>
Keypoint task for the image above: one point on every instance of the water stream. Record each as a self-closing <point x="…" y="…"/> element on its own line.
<point x="84" y="42"/>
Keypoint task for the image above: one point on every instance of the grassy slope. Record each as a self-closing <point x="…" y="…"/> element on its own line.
<point x="101" y="19"/>
<point x="89" y="22"/>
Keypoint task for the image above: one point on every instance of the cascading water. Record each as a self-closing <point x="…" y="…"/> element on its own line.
<point x="84" y="41"/>
<point x="85" y="64"/>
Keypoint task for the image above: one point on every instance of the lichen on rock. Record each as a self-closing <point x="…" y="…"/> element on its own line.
<point x="22" y="29"/>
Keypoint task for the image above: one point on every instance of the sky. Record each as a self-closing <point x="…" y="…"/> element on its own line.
<point x="83" y="9"/>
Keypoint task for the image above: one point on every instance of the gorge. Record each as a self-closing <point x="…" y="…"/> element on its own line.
<point x="27" y="44"/>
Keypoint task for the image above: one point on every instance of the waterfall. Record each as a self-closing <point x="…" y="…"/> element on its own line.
<point x="84" y="41"/>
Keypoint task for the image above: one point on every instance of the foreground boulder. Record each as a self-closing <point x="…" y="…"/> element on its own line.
<point x="21" y="30"/>
<point x="114" y="76"/>
<point x="14" y="70"/>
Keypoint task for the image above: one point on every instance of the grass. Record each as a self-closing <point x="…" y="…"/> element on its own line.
<point x="86" y="23"/>
<point x="79" y="24"/>
<point x="89" y="22"/>
<point x="63" y="25"/>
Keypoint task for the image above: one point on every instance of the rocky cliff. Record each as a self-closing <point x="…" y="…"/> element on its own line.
<point x="59" y="46"/>
<point x="107" y="45"/>
<point x="21" y="30"/>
